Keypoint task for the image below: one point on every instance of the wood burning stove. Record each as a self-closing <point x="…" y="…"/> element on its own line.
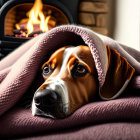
<point x="13" y="24"/>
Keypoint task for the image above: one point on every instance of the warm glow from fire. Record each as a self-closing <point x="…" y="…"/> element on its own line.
<point x="36" y="16"/>
<point x="36" y="19"/>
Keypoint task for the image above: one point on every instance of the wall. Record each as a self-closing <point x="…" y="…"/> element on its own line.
<point x="124" y="22"/>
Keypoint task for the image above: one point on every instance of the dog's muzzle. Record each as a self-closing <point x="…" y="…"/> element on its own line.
<point x="51" y="101"/>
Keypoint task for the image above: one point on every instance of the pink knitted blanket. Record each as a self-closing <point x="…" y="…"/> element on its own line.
<point x="17" y="75"/>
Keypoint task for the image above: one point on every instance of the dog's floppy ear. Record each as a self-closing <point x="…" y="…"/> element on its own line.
<point x="118" y="75"/>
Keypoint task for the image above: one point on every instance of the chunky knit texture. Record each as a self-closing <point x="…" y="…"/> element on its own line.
<point x="18" y="71"/>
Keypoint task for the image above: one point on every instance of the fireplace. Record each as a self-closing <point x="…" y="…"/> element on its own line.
<point x="16" y="16"/>
<point x="13" y="16"/>
<point x="89" y="13"/>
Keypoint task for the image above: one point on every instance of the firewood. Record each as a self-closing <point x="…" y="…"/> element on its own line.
<point x="34" y="33"/>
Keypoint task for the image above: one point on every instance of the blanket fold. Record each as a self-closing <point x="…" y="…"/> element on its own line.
<point x="19" y="69"/>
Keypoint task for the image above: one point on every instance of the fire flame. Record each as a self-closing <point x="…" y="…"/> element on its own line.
<point x="36" y="17"/>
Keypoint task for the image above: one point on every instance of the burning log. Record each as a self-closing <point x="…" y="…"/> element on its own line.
<point x="21" y="32"/>
<point x="35" y="23"/>
<point x="35" y="33"/>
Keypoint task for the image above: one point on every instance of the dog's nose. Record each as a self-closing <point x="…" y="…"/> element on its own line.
<point x="45" y="99"/>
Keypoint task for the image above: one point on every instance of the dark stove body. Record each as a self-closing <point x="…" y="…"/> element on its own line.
<point x="7" y="43"/>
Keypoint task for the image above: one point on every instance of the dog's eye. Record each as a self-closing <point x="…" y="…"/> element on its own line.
<point x="46" y="70"/>
<point x="79" y="70"/>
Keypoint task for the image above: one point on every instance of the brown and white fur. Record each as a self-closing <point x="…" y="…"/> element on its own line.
<point x="71" y="80"/>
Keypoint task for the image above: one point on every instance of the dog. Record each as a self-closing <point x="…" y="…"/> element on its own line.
<point x="71" y="81"/>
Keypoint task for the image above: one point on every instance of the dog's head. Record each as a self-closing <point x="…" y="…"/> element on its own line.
<point x="71" y="80"/>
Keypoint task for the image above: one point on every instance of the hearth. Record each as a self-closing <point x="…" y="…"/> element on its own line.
<point x="16" y="27"/>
